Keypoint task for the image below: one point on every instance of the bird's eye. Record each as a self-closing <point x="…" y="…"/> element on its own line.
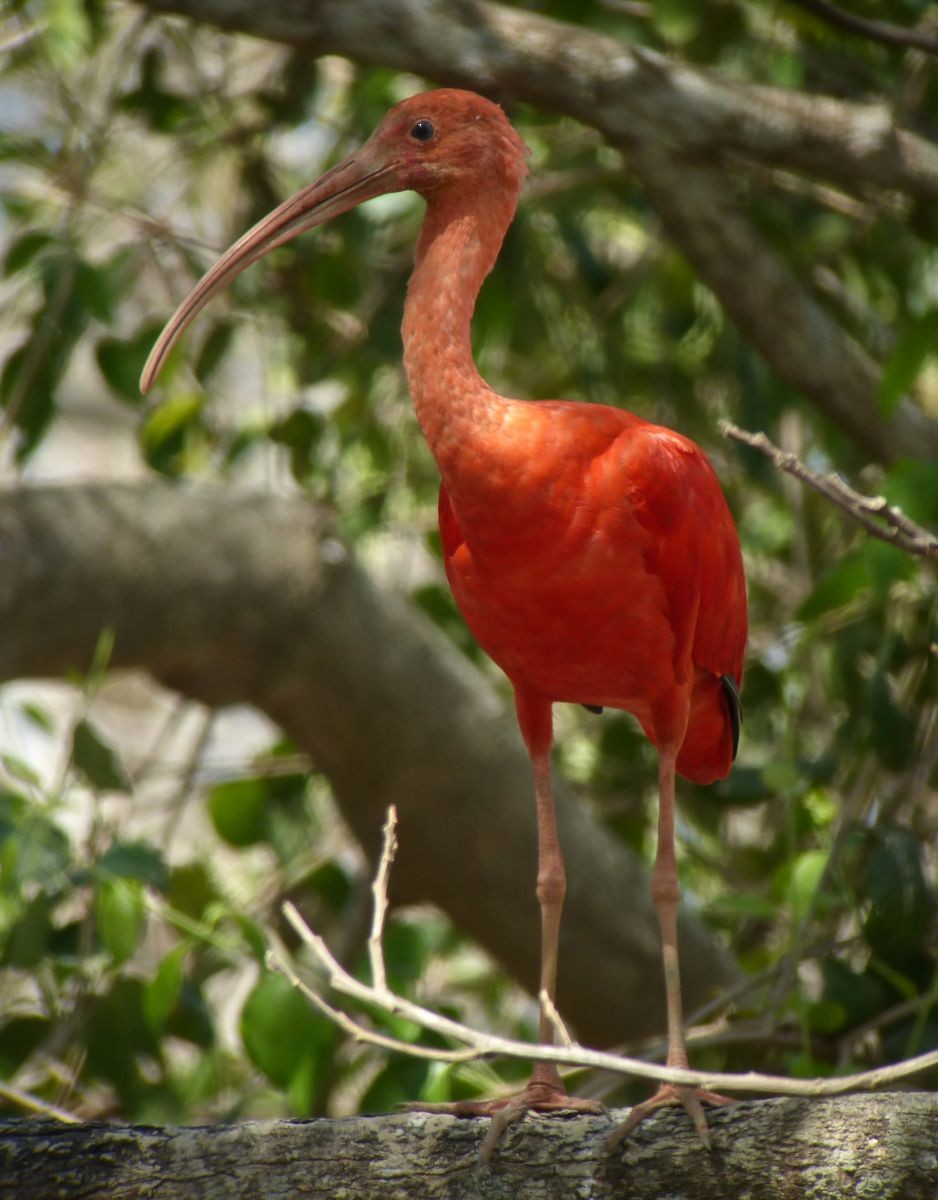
<point x="422" y="131"/>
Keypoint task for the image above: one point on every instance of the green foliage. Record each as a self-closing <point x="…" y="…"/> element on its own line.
<point x="127" y="958"/>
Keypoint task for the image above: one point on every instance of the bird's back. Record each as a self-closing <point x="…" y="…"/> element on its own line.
<point x="607" y="571"/>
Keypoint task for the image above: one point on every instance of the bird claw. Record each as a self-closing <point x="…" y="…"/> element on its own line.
<point x="692" y="1099"/>
<point x="507" y="1110"/>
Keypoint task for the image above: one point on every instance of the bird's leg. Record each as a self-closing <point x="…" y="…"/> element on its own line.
<point x="666" y="895"/>
<point x="545" y="1091"/>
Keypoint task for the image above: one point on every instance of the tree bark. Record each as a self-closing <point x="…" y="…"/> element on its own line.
<point x="788" y="1149"/>
<point x="678" y="125"/>
<point x="233" y="597"/>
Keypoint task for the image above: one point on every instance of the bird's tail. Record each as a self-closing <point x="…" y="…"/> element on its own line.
<point x="709" y="745"/>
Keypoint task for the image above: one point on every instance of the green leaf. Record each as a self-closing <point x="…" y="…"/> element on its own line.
<point x="901" y="901"/>
<point x="239" y="811"/>
<point x="860" y="994"/>
<point x="32" y="847"/>
<point x="254" y="936"/>
<point x="886" y="565"/>
<point x="38" y="716"/>
<point x="285" y="1039"/>
<point x="893" y="730"/>
<point x="214" y="349"/>
<point x="836" y="588"/>
<point x="677" y="20"/>
<point x="806" y="873"/>
<point x="162" y="993"/>
<point x="117" y="1037"/>
<point x="163" y="428"/>
<point x="19" y="1037"/>
<point x="744" y="785"/>
<point x="911" y="487"/>
<point x="20" y="770"/>
<point x="95" y="290"/>
<point x="68" y="32"/>
<point x="917" y="342"/>
<point x="24" y="249"/>
<point x="121" y="361"/>
<point x="300" y="431"/>
<point x="96" y="760"/>
<point x="28" y="940"/>
<point x="826" y="1017"/>
<point x="120" y="917"/>
<point x="192" y="889"/>
<point x="135" y="860"/>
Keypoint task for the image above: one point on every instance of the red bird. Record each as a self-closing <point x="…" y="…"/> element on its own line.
<point x="591" y="553"/>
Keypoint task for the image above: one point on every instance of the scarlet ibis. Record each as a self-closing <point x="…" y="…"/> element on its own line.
<point x="591" y="553"/>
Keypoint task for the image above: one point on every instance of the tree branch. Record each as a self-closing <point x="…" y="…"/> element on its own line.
<point x="673" y="120"/>
<point x="232" y="597"/>
<point x="764" y="1150"/>
<point x="879" y="518"/>
<point x="875" y="31"/>
<point x="806" y="346"/>
<point x="632" y="94"/>
<point x="474" y="1044"/>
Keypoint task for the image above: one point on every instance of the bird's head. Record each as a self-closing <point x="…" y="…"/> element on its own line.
<point x="449" y="138"/>
<point x="437" y="143"/>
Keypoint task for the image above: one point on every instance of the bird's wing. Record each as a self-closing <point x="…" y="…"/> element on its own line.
<point x="693" y="547"/>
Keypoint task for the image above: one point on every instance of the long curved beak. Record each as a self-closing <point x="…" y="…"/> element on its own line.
<point x="358" y="178"/>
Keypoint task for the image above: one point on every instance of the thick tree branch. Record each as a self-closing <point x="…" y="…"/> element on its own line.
<point x="764" y="1150"/>
<point x="633" y="95"/>
<point x="233" y="597"/>
<point x="805" y="345"/>
<point x="673" y="120"/>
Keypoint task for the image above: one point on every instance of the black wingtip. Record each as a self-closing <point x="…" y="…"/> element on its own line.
<point x="731" y="692"/>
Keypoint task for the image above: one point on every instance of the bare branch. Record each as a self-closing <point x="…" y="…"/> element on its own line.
<point x="34" y="1104"/>
<point x="876" y="31"/>
<point x="879" y="518"/>
<point x="556" y="1020"/>
<point x="379" y="890"/>
<point x="472" y="1044"/>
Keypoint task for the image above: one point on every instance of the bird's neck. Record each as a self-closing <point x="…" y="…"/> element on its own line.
<point x="457" y="410"/>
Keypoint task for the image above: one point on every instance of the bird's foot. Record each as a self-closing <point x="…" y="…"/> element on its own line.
<point x="539" y="1096"/>
<point x="693" y="1100"/>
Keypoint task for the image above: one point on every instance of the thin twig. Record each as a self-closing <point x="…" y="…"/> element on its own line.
<point x="379" y="890"/>
<point x="556" y="1020"/>
<point x="17" y="40"/>
<point x="874" y="513"/>
<point x="33" y="1104"/>
<point x="875" y="31"/>
<point x="278" y="962"/>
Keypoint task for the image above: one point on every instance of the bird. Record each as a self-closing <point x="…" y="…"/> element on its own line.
<point x="591" y="552"/>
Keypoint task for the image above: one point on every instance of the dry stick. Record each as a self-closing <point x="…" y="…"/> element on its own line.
<point x="476" y="1045"/>
<point x="899" y="530"/>
<point x="556" y="1020"/>
<point x="33" y="1104"/>
<point x="379" y="890"/>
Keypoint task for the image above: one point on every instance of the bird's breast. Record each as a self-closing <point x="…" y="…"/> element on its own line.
<point x="563" y="603"/>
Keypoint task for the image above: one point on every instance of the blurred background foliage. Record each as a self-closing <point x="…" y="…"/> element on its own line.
<point x="139" y="889"/>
